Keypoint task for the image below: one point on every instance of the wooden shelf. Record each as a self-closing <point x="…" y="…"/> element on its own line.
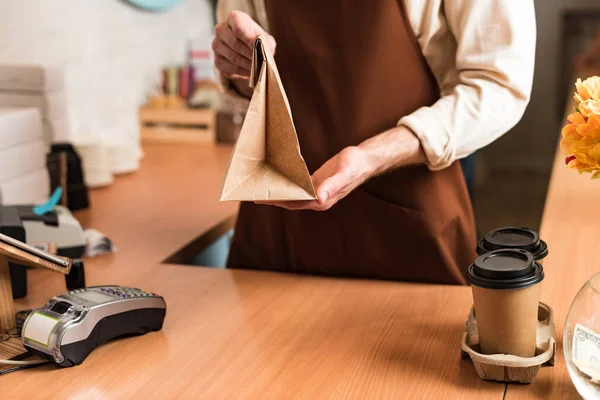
<point x="177" y="125"/>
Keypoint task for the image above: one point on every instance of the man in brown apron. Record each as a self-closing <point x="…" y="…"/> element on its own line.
<point x="351" y="70"/>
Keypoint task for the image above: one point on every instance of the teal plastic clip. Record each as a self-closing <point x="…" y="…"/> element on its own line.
<point x="48" y="206"/>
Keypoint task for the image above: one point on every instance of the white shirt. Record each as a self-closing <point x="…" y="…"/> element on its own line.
<point x="481" y="53"/>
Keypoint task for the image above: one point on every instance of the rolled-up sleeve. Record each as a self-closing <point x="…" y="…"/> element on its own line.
<point x="489" y="90"/>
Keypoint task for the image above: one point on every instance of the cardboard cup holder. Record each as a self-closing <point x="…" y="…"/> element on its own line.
<point x="506" y="367"/>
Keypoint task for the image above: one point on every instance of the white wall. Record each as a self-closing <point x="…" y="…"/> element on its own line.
<point x="111" y="51"/>
<point x="532" y="143"/>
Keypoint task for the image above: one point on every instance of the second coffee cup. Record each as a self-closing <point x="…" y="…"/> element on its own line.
<point x="506" y="292"/>
<point x="513" y="237"/>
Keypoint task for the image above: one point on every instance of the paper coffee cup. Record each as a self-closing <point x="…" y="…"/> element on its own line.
<point x="513" y="238"/>
<point x="506" y="291"/>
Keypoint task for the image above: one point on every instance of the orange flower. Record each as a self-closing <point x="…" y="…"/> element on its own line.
<point x="589" y="107"/>
<point x="588" y="96"/>
<point x="588" y="89"/>
<point x="580" y="142"/>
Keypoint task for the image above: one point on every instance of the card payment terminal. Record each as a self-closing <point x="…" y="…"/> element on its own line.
<point x="70" y="326"/>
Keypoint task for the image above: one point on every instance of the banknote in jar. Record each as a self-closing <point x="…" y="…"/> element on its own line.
<point x="586" y="352"/>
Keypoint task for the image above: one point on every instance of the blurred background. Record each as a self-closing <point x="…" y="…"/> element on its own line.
<point x="513" y="173"/>
<point x="84" y="83"/>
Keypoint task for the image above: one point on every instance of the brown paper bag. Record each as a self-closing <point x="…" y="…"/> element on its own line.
<point x="266" y="164"/>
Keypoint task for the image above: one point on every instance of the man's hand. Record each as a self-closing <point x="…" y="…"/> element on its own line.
<point x="354" y="165"/>
<point x="234" y="44"/>
<point x="334" y="180"/>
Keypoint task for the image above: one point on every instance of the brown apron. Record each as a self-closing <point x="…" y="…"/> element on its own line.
<point x="351" y="70"/>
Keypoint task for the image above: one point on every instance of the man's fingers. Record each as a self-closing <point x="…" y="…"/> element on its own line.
<point x="232" y="56"/>
<point x="224" y="32"/>
<point x="333" y="181"/>
<point x="244" y="27"/>
<point x="270" y="43"/>
<point x="222" y="49"/>
<point x="230" y="70"/>
<point x="330" y="187"/>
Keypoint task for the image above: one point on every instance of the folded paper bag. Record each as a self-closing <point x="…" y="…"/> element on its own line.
<point x="266" y="164"/>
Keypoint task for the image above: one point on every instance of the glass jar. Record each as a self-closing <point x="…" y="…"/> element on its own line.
<point x="581" y="339"/>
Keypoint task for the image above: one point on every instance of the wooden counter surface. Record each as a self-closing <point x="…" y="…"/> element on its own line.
<point x="242" y="334"/>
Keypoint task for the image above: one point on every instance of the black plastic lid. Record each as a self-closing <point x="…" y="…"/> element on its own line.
<point x="505" y="269"/>
<point x="513" y="238"/>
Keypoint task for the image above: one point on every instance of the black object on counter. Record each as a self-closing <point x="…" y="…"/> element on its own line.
<point x="21" y="316"/>
<point x="505" y="269"/>
<point x="11" y="225"/>
<point x="513" y="238"/>
<point x="76" y="191"/>
<point x="76" y="277"/>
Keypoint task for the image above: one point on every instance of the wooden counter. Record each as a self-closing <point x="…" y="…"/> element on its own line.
<point x="241" y="334"/>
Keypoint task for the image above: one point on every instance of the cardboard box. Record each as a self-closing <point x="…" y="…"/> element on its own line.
<point x="52" y="105"/>
<point x="33" y="78"/>
<point x="19" y="125"/>
<point x="21" y="160"/>
<point x="33" y="188"/>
